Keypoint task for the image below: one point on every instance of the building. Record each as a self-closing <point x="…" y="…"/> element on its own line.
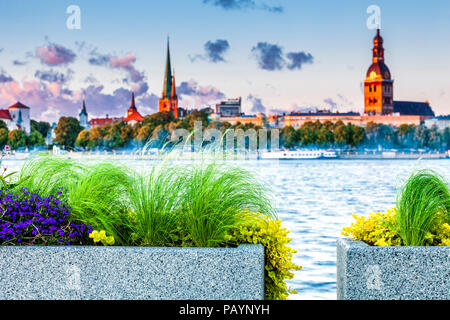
<point x="133" y="116"/>
<point x="379" y="89"/>
<point x="83" y="116"/>
<point x="378" y="85"/>
<point x="17" y="116"/>
<point x="412" y="108"/>
<point x="98" y="122"/>
<point x="169" y="99"/>
<point x="229" y="108"/>
<point x="441" y="122"/>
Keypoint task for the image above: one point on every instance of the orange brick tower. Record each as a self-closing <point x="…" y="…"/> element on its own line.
<point x="169" y="100"/>
<point x="378" y="86"/>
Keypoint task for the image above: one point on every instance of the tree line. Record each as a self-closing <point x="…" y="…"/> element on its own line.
<point x="18" y="139"/>
<point x="156" y="130"/>
<point x="373" y="135"/>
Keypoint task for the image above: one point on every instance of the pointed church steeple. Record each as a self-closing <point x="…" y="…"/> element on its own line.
<point x="83" y="109"/>
<point x="133" y="104"/>
<point x="167" y="86"/>
<point x="173" y="93"/>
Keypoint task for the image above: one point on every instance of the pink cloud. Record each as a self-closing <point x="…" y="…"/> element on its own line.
<point x="54" y="55"/>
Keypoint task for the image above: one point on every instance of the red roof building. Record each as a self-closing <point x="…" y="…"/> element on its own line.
<point x="133" y="116"/>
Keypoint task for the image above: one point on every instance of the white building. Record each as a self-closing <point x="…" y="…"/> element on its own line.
<point x="84" y="122"/>
<point x="17" y="117"/>
<point x="229" y="108"/>
<point x="440" y="122"/>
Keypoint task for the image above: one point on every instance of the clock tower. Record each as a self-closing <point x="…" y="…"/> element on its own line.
<point x="378" y="85"/>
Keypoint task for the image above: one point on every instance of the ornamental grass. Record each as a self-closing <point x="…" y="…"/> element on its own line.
<point x="202" y="205"/>
<point x="421" y="216"/>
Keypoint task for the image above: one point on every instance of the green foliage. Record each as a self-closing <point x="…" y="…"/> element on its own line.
<point x="424" y="198"/>
<point x="215" y="197"/>
<point x="278" y="254"/>
<point x="209" y="205"/>
<point x="82" y="139"/>
<point x="17" y="139"/>
<point x="154" y="204"/>
<point x="35" y="138"/>
<point x="3" y="137"/>
<point x="42" y="127"/>
<point x="67" y="131"/>
<point x="96" y="193"/>
<point x="421" y="217"/>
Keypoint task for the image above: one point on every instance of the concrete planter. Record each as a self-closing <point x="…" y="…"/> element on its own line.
<point x="88" y="272"/>
<point x="391" y="273"/>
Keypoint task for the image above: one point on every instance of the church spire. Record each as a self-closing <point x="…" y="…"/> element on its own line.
<point x="167" y="86"/>
<point x="133" y="104"/>
<point x="173" y="93"/>
<point x="378" y="49"/>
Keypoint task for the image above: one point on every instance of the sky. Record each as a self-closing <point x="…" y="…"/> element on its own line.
<point x="278" y="55"/>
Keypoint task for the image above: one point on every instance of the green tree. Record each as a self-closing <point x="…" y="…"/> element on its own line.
<point x="35" y="138"/>
<point x="95" y="137"/>
<point x="3" y="136"/>
<point x="67" y="131"/>
<point x="341" y="134"/>
<point x="17" y="139"/>
<point x="289" y="137"/>
<point x="82" y="139"/>
<point x="42" y="127"/>
<point x="358" y="135"/>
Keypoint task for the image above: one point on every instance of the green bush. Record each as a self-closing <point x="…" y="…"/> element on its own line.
<point x="278" y="254"/>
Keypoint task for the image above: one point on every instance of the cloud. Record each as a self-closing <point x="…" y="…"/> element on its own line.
<point x="331" y="103"/>
<point x="55" y="55"/>
<point x="257" y="105"/>
<point x="4" y="77"/>
<point x="1" y="49"/>
<point x="19" y="63"/>
<point x="297" y="59"/>
<point x="99" y="60"/>
<point x="269" y="56"/>
<point x="214" y="51"/>
<point x="125" y="63"/>
<point x="191" y="93"/>
<point x="54" y="76"/>
<point x="243" y="5"/>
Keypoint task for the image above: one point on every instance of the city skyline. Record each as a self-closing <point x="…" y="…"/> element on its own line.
<point x="290" y="57"/>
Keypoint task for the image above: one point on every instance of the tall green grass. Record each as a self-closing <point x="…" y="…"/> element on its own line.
<point x="187" y="203"/>
<point x="422" y="201"/>
<point x="216" y="197"/>
<point x="96" y="193"/>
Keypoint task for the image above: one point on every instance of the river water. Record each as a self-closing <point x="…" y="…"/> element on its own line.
<point x="316" y="198"/>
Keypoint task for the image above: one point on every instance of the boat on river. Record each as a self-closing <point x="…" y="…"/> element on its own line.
<point x="298" y="154"/>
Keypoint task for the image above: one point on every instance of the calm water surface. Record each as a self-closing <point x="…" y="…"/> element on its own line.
<point x="316" y="198"/>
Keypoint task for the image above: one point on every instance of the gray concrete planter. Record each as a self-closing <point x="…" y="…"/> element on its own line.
<point x="88" y="272"/>
<point x="365" y="272"/>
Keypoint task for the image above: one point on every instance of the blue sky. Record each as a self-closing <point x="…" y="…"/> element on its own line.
<point x="279" y="55"/>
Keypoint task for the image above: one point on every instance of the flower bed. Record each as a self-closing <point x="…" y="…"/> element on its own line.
<point x="60" y="202"/>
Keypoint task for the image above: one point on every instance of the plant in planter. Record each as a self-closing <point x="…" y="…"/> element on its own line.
<point x="209" y="205"/>
<point x="420" y="218"/>
<point x="403" y="253"/>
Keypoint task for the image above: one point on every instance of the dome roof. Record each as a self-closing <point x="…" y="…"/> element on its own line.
<point x="380" y="69"/>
